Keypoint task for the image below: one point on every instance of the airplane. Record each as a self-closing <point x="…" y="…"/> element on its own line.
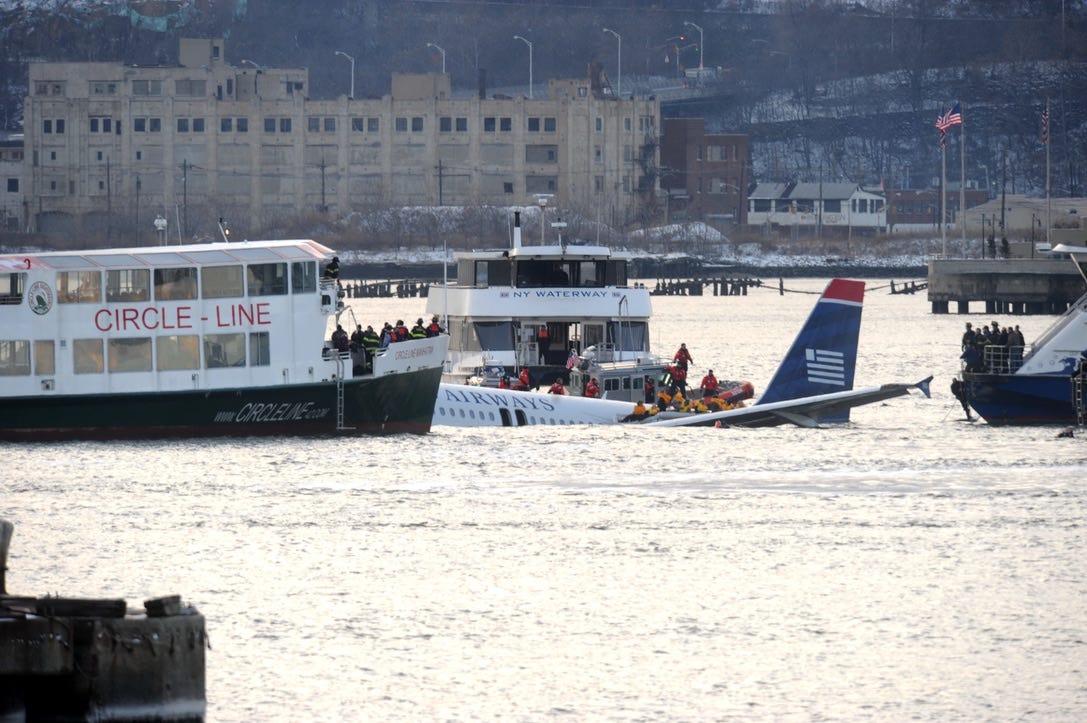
<point x="813" y="385"/>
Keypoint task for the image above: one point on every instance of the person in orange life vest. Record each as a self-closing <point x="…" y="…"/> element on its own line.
<point x="524" y="380"/>
<point x="592" y="389"/>
<point x="504" y="382"/>
<point x="543" y="341"/>
<point x="434" y="328"/>
<point x="400" y="333"/>
<point x="683" y="357"/>
<point x="556" y="388"/>
<point x="710" y="386"/>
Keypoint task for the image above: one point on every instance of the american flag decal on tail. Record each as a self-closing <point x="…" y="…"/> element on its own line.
<point x="826" y="367"/>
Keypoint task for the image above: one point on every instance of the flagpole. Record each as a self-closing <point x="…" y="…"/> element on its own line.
<point x="962" y="181"/>
<point x="943" y="194"/>
<point x="1048" y="188"/>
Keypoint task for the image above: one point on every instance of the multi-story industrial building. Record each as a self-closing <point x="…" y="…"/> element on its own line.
<point x="109" y="145"/>
<point x="705" y="175"/>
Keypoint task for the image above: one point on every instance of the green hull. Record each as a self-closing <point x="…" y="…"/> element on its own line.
<point x="389" y="404"/>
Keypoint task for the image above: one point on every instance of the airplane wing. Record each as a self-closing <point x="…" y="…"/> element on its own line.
<point x="803" y="412"/>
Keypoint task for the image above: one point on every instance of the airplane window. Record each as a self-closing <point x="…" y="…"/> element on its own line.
<point x="462" y="413"/>
<point x="492" y="416"/>
<point x="441" y="411"/>
<point x="472" y="413"/>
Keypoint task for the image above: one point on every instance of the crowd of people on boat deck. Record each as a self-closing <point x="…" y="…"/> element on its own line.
<point x="992" y="348"/>
<point x="364" y="344"/>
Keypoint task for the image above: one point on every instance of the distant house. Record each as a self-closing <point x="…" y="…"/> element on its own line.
<point x="829" y="208"/>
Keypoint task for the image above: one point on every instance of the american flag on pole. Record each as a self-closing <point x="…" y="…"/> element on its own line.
<point x="951" y="118"/>
<point x="1045" y="125"/>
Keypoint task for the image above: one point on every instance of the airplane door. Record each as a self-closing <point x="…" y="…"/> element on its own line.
<point x="505" y="415"/>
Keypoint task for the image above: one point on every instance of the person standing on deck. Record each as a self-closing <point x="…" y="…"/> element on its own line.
<point x="710" y="386"/>
<point x="418" y="331"/>
<point x="683" y="357"/>
<point x="592" y="389"/>
<point x="543" y="341"/>
<point x="434" y="328"/>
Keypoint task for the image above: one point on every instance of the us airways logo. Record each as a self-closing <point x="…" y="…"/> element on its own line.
<point x="825" y="366"/>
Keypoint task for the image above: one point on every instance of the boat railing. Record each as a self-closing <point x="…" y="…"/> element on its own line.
<point x="1002" y="359"/>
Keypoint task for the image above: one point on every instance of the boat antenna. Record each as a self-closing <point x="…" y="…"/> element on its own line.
<point x="224" y="230"/>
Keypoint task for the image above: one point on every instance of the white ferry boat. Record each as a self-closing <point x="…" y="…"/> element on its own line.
<point x="198" y="340"/>
<point x="535" y="306"/>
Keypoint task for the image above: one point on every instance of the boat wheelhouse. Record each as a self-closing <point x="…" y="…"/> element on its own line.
<point x="535" y="306"/>
<point x="1043" y="384"/>
<point x="196" y="340"/>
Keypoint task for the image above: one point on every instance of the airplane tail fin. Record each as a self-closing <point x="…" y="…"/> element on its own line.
<point x="823" y="357"/>
<point x="923" y="385"/>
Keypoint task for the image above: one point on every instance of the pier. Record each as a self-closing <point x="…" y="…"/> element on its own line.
<point x="408" y="289"/>
<point x="696" y="287"/>
<point x="1003" y="286"/>
<point x="73" y="659"/>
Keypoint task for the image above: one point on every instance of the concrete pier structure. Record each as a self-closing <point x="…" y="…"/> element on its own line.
<point x="1003" y="286"/>
<point x="69" y="659"/>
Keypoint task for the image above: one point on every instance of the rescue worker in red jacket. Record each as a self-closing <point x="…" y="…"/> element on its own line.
<point x="683" y="357"/>
<point x="710" y="386"/>
<point x="679" y="377"/>
<point x="524" y="380"/>
<point x="592" y="389"/>
<point x="434" y="328"/>
<point x="557" y="388"/>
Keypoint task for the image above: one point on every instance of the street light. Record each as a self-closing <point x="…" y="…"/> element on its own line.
<point x="529" y="44"/>
<point x="619" y="63"/>
<point x="440" y="50"/>
<point x="340" y="52"/>
<point x="701" y="46"/>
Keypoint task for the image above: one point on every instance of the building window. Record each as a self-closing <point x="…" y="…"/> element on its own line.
<point x="147" y="87"/>
<point x="417" y="124"/>
<point x="103" y="88"/>
<point x="505" y="124"/>
<point x="373" y="125"/>
<point x="358" y="125"/>
<point x="197" y="125"/>
<point x="98" y="155"/>
<point x="599" y="124"/>
<point x="269" y="125"/>
<point x="242" y="124"/>
<point x="488" y="124"/>
<point x="139" y="125"/>
<point x="401" y="124"/>
<point x="154" y="125"/>
<point x="698" y="152"/>
<point x="47" y="126"/>
<point x="626" y="124"/>
<point x="284" y="125"/>
<point x="226" y="125"/>
<point x="445" y="124"/>
<point x="598" y="184"/>
<point x="507" y="187"/>
<point x="139" y="155"/>
<point x="182" y="125"/>
<point x="60" y="125"/>
<point x="52" y="155"/>
<point x="533" y="125"/>
<point x="330" y="125"/>
<point x="190" y="87"/>
<point x="598" y="154"/>
<point x="549" y="125"/>
<point x="13" y="185"/>
<point x="94" y="125"/>
<point x="628" y="155"/>
<point x="462" y="124"/>
<point x="313" y="124"/>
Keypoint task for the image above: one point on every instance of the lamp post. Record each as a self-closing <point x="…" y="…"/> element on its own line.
<point x="529" y="44"/>
<point x="340" y="52"/>
<point x="618" y="63"/>
<point x="701" y="45"/>
<point x="440" y="50"/>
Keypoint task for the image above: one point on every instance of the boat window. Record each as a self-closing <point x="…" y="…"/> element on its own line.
<point x="87" y="356"/>
<point x="130" y="355"/>
<point x="14" y="358"/>
<point x="175" y="283"/>
<point x="128" y="285"/>
<point x="616" y="273"/>
<point x="304" y="277"/>
<point x="115" y="260"/>
<point x="221" y="282"/>
<point x="69" y="262"/>
<point x="591" y="273"/>
<point x="79" y="287"/>
<point x="161" y="258"/>
<point x="267" y="279"/>
<point x="494" y="335"/>
<point x="177" y="352"/>
<point x="12" y="288"/>
<point x="210" y="257"/>
<point x="224" y="350"/>
<point x="260" y="351"/>
<point x="45" y="363"/>
<point x="481" y="273"/>
<point x="254" y="254"/>
<point x="629" y="335"/>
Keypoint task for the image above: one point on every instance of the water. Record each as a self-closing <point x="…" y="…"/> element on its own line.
<point x="909" y="565"/>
